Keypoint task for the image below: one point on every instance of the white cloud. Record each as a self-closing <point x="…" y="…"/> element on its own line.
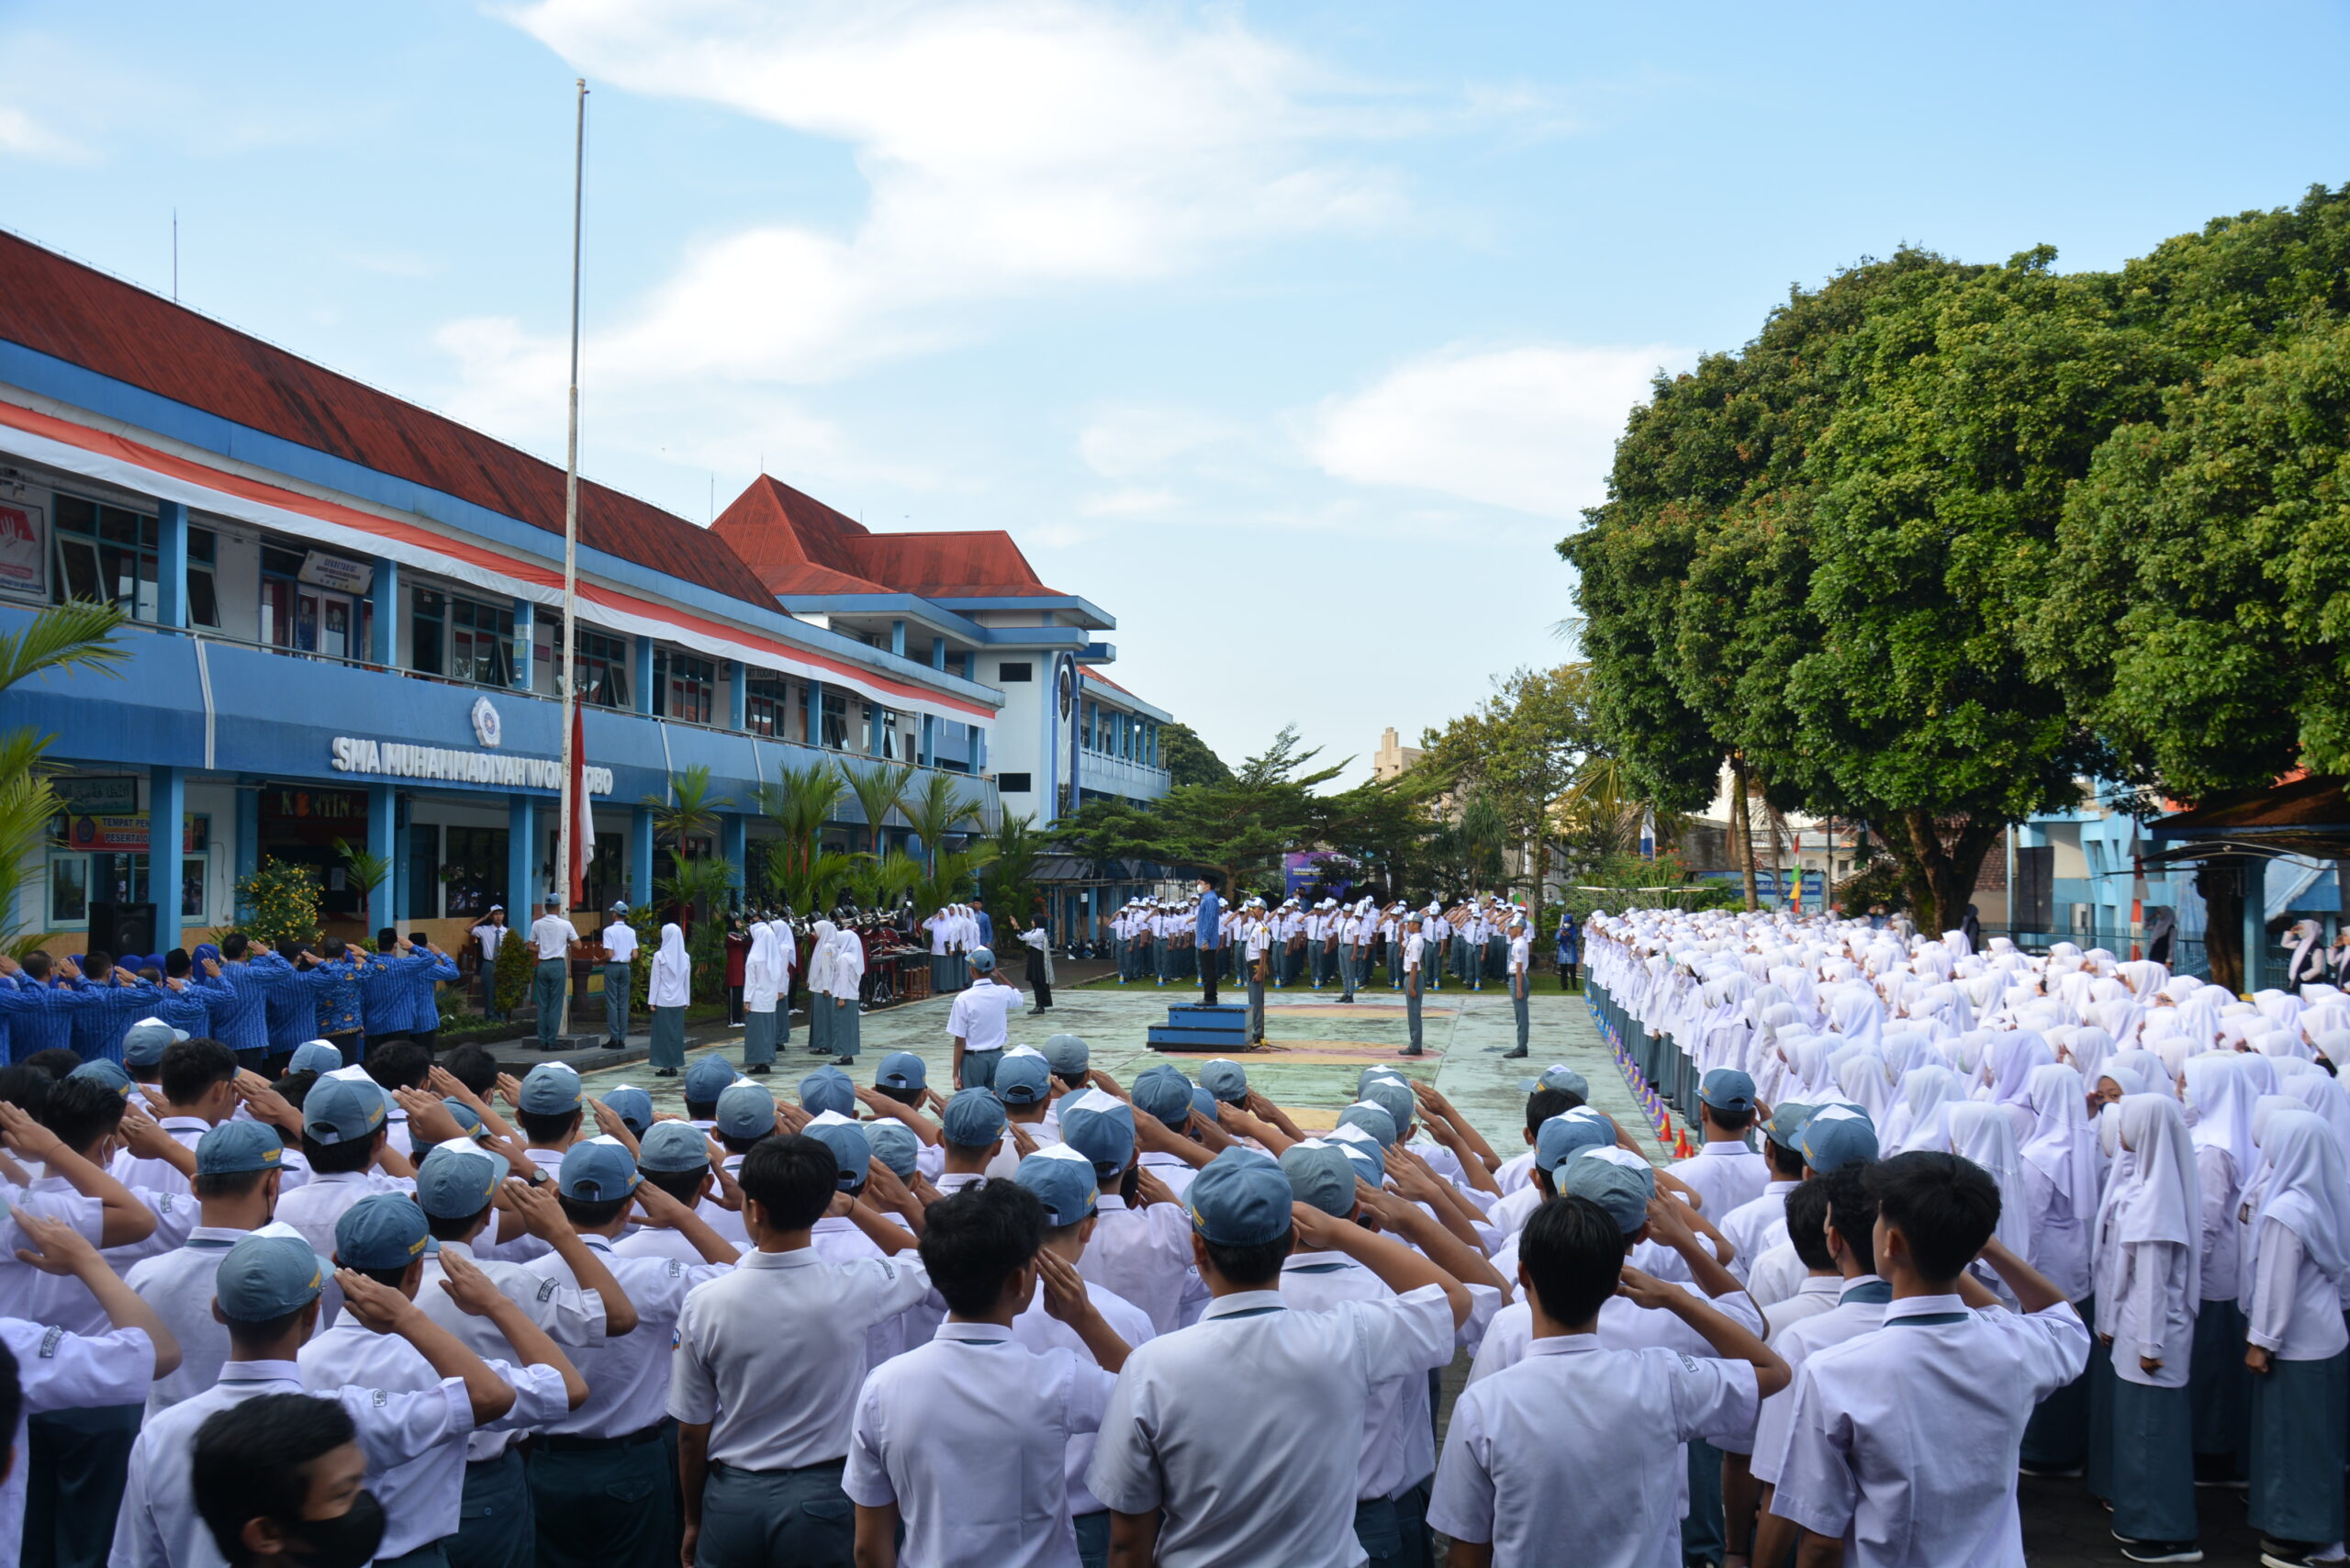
<point x="1532" y="428"/>
<point x="1129" y="500"/>
<point x="1137" y="442"/>
<point x="22" y="136"/>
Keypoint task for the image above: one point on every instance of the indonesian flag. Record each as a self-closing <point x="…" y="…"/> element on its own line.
<point x="583" y="823"/>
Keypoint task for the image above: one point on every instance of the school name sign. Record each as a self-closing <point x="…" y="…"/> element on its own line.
<point x="358" y="754"/>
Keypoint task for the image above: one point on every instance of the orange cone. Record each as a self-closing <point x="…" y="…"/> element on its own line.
<point x="1681" y="1151"/>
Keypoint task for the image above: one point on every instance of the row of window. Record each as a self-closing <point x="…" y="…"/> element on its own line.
<point x="1119" y="735"/>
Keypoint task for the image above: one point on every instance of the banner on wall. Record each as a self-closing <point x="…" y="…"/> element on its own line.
<point x="24" y="550"/>
<point x="120" y="834"/>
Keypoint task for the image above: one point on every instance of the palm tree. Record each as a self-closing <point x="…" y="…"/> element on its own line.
<point x="367" y="872"/>
<point x="74" y="636"/>
<point x="879" y="789"/>
<point x="935" y="811"/>
<point x="799" y="802"/>
<point x="691" y="811"/>
<point x="950" y="880"/>
<point x="1014" y="848"/>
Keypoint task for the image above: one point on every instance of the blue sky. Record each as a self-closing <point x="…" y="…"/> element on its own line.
<point x="1294" y="335"/>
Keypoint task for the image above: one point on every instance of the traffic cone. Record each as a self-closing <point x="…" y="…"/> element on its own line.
<point x="1681" y="1149"/>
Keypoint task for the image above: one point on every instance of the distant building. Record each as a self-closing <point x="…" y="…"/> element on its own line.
<point x="1394" y="757"/>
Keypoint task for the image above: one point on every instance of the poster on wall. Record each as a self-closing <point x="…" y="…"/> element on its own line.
<point x="24" y="550"/>
<point x="124" y="835"/>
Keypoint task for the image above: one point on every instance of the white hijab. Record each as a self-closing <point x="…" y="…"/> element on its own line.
<point x="1983" y="1135"/>
<point x="2063" y="1146"/>
<point x="1917" y="1121"/>
<point x="2307" y="1191"/>
<point x="671" y="972"/>
<point x="2159" y="1197"/>
<point x="763" y="971"/>
<point x="820" y="959"/>
<point x="2221" y="1096"/>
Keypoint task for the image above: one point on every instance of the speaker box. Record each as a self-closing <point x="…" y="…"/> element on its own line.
<point x="120" y="928"/>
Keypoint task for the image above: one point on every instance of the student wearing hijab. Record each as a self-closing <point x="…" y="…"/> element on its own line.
<point x="2150" y="1235"/>
<point x="840" y="999"/>
<point x="2060" y="1170"/>
<point x="2220" y="1093"/>
<point x="1927" y="1092"/>
<point x="822" y="958"/>
<point x="666" y="997"/>
<point x="2298" y="1351"/>
<point x="763" y="979"/>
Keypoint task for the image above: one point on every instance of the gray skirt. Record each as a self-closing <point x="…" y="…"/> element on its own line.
<point x="668" y="1048"/>
<point x="2300" y="1424"/>
<point x="847" y="1027"/>
<point x="2154" y="1462"/>
<point x="820" y="1023"/>
<point x="758" y="1037"/>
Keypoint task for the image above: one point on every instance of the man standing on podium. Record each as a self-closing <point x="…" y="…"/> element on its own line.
<point x="1210" y="912"/>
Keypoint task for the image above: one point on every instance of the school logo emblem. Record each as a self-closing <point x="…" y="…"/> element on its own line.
<point x="488" y="728"/>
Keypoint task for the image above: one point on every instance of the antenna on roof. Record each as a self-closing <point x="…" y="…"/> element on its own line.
<point x="175" y="256"/>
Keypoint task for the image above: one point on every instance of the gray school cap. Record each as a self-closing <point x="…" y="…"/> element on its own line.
<point x="707" y="1079"/>
<point x="1372" y="1118"/>
<point x="1621" y="1191"/>
<point x="982" y="960"/>
<point x="1562" y="1137"/>
<point x="598" y="1172"/>
<point x="381" y="1230"/>
<point x="267" y="1275"/>
<point x="1063" y="1180"/>
<point x="1067" y="1055"/>
<point x="1393" y="1096"/>
<point x="1728" y="1089"/>
<point x="143" y="1043"/>
<point x="1560" y="1077"/>
<point x="469" y="1124"/>
<point x="1102" y="1129"/>
<point x="454" y="1181"/>
<point x="1162" y="1090"/>
<point x="672" y="1148"/>
<point x="343" y="1110"/>
<point x="1830" y="1143"/>
<point x="550" y="1089"/>
<point x="850" y="1147"/>
<point x="1204" y="1103"/>
<point x="973" y="1119"/>
<point x="314" y="1056"/>
<point x="1785" y="1125"/>
<point x="1320" y="1175"/>
<point x="902" y="1069"/>
<point x="633" y="1105"/>
<point x="1227" y="1080"/>
<point x="237" y="1149"/>
<point x="826" y="1089"/>
<point x="894" y="1145"/>
<point x="1241" y="1198"/>
<point x="1363" y="1149"/>
<point x="746" y="1110"/>
<point x="1023" y="1078"/>
<point x="109" y="1073"/>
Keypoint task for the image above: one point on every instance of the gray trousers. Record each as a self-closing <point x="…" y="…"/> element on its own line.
<point x="775" y="1518"/>
<point x="1349" y="969"/>
<point x="1412" y="1007"/>
<point x="1256" y="1005"/>
<point x="496" y="1518"/>
<point x="1517" y="1001"/>
<point x="546" y="991"/>
<point x="619" y="980"/>
<point x="979" y="1068"/>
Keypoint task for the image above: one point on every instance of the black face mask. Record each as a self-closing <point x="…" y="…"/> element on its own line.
<point x="347" y="1541"/>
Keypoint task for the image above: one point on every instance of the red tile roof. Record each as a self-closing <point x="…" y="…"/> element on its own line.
<point x="75" y="313"/>
<point x="798" y="545"/>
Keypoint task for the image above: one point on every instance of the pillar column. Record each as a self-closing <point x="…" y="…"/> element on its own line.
<point x="384" y="597"/>
<point x="247" y="848"/>
<point x="526" y="631"/>
<point x="640" y="855"/>
<point x="738" y="700"/>
<point x="873" y="729"/>
<point x="522" y="860"/>
<point x="171" y="566"/>
<point x="383" y="838"/>
<point x="641" y="663"/>
<point x="938" y="653"/>
<point x="166" y="831"/>
<point x="929" y="741"/>
<point x="2256" y="923"/>
<point x="898" y="638"/>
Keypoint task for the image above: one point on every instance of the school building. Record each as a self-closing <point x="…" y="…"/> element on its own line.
<point x="346" y="612"/>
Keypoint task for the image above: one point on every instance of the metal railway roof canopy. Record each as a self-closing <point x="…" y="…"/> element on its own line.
<point x="2307" y="816"/>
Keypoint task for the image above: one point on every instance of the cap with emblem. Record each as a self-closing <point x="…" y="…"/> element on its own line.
<point x="1102" y="1129"/>
<point x="1241" y="1198"/>
<point x="671" y="1147"/>
<point x="827" y="1089"/>
<point x="457" y="1181"/>
<point x="1831" y="1141"/>
<point x="314" y="1056"/>
<point x="982" y="960"/>
<point x="1560" y="1077"/>
<point x="1728" y="1090"/>
<point x="109" y="1073"/>
<point x="1023" y="1078"/>
<point x="1562" y="1137"/>
<point x="1162" y="1090"/>
<point x="1063" y="1180"/>
<point x="552" y="1089"/>
<point x="1623" y="1192"/>
<point x="268" y="1274"/>
<point x="1067" y="1055"/>
<point x="1321" y="1175"/>
<point x="1786" y="1124"/>
<point x="895" y="1146"/>
<point x="143" y="1043"/>
<point x="1372" y="1118"/>
<point x="902" y="1069"/>
<point x="381" y="1230"/>
<point x="850" y="1147"/>
<point x="343" y="1110"/>
<point x="598" y="1172"/>
<point x="747" y="1111"/>
<point x="1363" y="1149"/>
<point x="633" y="1105"/>
<point x="237" y="1149"/>
<point x="467" y="1122"/>
<point x="707" y="1079"/>
<point x="1205" y="1104"/>
<point x="1227" y="1080"/>
<point x="973" y="1119"/>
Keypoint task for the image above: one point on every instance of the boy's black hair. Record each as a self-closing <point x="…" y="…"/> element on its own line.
<point x="733" y="1145"/>
<point x="547" y="1128"/>
<point x="387" y="938"/>
<point x="1546" y="1102"/>
<point x="793" y="1177"/>
<point x="683" y="1185"/>
<point x="333" y="947"/>
<point x="473" y="1066"/>
<point x="191" y="1067"/>
<point x="902" y="1096"/>
<point x="975" y="1241"/>
<point x="340" y="1159"/>
<point x="295" y="1087"/>
<point x="1573" y="1253"/>
<point x="229" y="1183"/>
<point x="1852" y="1209"/>
<point x="37" y="964"/>
<point x="399" y="1064"/>
<point x="1807" y="1218"/>
<point x="176" y="964"/>
<point x="56" y="1061"/>
<point x="1259" y="1266"/>
<point x="390" y="1279"/>
<point x="705" y="1110"/>
<point x="1787" y="1164"/>
<point x="254" y="1462"/>
<point x="25" y="1087"/>
<point x="152" y="974"/>
<point x="97" y="964"/>
<point x="589" y="1213"/>
<point x="1945" y="1206"/>
<point x="1072" y="1083"/>
<point x="454" y="1229"/>
<point x="234" y="946"/>
<point x="81" y="1111"/>
<point x="1730" y="1121"/>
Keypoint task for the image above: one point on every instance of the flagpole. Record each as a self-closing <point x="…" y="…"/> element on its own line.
<point x="565" y="825"/>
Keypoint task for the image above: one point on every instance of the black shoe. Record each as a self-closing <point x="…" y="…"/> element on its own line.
<point x="1411" y="1051"/>
<point x="758" y="1069"/>
<point x="1033" y="1011"/>
<point x="844" y="1062"/>
<point x="1509" y="1054"/>
<point x="616" y="1045"/>
<point x="665" y="1072"/>
<point x="550" y="1045"/>
<point x="2159" y="1551"/>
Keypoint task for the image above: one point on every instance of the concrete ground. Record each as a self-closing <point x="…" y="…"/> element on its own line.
<point x="1316" y="1047"/>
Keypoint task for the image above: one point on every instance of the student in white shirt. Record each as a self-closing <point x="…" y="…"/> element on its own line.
<point x="2298" y="1348"/>
<point x="1756" y="1226"/>
<point x="1521" y="980"/>
<point x="1415" y="967"/>
<point x="765" y="1417"/>
<point x="343" y="1139"/>
<point x="1725" y="1170"/>
<point x="1194" y="1477"/>
<point x="977" y="1022"/>
<point x="197" y="1079"/>
<point x="1568" y="1458"/>
<point x="963" y="1439"/>
<point x="238" y="1169"/>
<point x="552" y="936"/>
<point x="1141" y="1248"/>
<point x="620" y="976"/>
<point x="1862" y="1467"/>
<point x="283" y="1477"/>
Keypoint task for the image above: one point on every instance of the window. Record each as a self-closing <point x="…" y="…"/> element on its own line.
<point x="684" y="687"/>
<point x="472" y="868"/>
<point x="69" y="888"/>
<point x="202" y="598"/>
<point x="835" y="728"/>
<point x="1012" y="783"/>
<point x="764" y="705"/>
<point x="426" y="615"/>
<point x="600" y="667"/>
<point x="105" y="554"/>
<point x="1008" y="672"/>
<point x="481" y="642"/>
